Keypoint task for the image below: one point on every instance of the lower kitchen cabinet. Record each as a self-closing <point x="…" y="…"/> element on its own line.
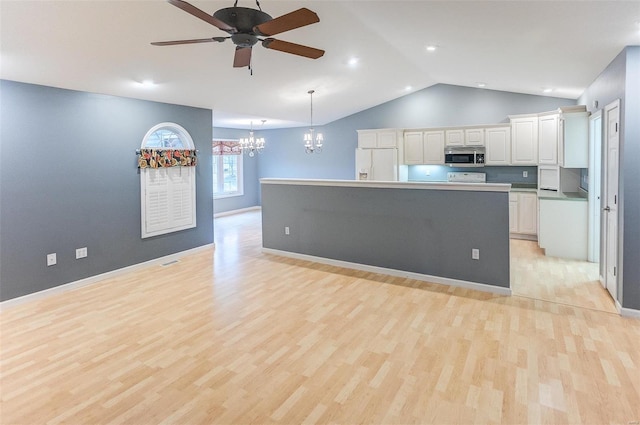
<point x="523" y="214"/>
<point x="564" y="228"/>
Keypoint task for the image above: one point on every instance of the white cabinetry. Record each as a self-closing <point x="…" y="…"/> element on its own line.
<point x="424" y="147"/>
<point x="524" y="140"/>
<point x="523" y="214"/>
<point x="548" y="139"/>
<point x="464" y="137"/>
<point x="474" y="137"/>
<point x="498" y="146"/>
<point x="455" y="137"/>
<point x="563" y="228"/>
<point x="573" y="142"/>
<point x="381" y="138"/>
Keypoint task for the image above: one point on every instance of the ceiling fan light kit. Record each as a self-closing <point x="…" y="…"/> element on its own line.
<point x="246" y="26"/>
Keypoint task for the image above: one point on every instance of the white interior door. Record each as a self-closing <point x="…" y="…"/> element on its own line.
<point x="612" y="143"/>
<point x="595" y="170"/>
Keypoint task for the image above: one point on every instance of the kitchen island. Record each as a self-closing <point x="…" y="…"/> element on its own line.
<point x="425" y="231"/>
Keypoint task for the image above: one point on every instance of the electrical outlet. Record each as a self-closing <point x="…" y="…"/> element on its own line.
<point x="475" y="254"/>
<point x="81" y="253"/>
<point x="525" y="174"/>
<point x="51" y="259"/>
<point x="428" y="172"/>
<point x="286" y="230"/>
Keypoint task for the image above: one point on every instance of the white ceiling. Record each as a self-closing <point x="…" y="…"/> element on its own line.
<point x="518" y="46"/>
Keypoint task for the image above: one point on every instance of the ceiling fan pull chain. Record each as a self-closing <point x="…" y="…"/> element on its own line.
<point x="258" y="3"/>
<point x="235" y="4"/>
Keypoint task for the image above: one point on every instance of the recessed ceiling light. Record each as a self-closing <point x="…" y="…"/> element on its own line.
<point x="353" y="61"/>
<point x="431" y="48"/>
<point x="147" y="84"/>
<point x="547" y="90"/>
<point x="481" y="85"/>
<point x="408" y="88"/>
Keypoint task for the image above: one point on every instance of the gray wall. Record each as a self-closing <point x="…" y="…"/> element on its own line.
<point x="251" y="197"/>
<point x="620" y="81"/>
<point x="69" y="179"/>
<point x="420" y="231"/>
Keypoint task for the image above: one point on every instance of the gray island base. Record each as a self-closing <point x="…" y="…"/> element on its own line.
<point x="424" y="231"/>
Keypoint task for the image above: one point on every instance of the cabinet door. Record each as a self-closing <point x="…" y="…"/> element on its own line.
<point x="513" y="213"/>
<point x="387" y="139"/>
<point x="413" y="148"/>
<point x="367" y="139"/>
<point x="498" y="146"/>
<point x="524" y="141"/>
<point x="454" y="137"/>
<point x="434" y="147"/>
<point x="548" y="140"/>
<point x="574" y="140"/>
<point x="474" y="137"/>
<point x="528" y="213"/>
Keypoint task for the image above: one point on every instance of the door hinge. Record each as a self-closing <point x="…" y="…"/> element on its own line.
<point x="616" y="127"/>
<point x="615" y="199"/>
<point x="614" y="270"/>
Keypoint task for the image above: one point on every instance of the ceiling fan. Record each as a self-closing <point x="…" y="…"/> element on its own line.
<point x="247" y="26"/>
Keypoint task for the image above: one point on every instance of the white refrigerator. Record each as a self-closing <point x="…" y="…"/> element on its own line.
<point x="379" y="164"/>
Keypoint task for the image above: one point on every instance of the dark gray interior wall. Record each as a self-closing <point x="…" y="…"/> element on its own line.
<point x="69" y="179"/>
<point x="619" y="80"/>
<point x="436" y="106"/>
<point x="251" y="197"/>
<point x="420" y="231"/>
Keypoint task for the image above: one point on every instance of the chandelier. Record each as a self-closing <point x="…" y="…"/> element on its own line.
<point x="251" y="145"/>
<point x="312" y="140"/>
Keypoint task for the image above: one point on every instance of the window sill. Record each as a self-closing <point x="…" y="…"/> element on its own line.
<point x="230" y="195"/>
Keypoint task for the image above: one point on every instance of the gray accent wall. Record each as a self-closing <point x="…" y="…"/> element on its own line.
<point x="619" y="80"/>
<point x="69" y="179"/>
<point x="422" y="231"/>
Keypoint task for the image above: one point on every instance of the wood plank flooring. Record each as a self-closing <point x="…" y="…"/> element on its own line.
<point x="235" y="336"/>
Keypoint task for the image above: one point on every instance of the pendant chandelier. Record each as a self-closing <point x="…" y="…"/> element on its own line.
<point x="312" y="140"/>
<point x="251" y="145"/>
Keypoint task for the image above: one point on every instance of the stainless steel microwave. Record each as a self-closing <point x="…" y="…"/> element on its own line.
<point x="464" y="156"/>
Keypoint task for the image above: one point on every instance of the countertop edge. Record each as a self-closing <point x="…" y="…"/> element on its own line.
<point x="477" y="187"/>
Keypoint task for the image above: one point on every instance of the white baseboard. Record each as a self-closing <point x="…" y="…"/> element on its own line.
<point x="97" y="278"/>
<point x="232" y="212"/>
<point x="392" y="272"/>
<point x="627" y="312"/>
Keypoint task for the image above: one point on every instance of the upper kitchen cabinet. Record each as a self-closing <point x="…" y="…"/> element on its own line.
<point x="524" y="139"/>
<point x="424" y="147"/>
<point x="454" y="137"/>
<point x="498" y="145"/>
<point x="474" y="137"/>
<point x="573" y="137"/>
<point x="379" y="138"/>
<point x="548" y="138"/>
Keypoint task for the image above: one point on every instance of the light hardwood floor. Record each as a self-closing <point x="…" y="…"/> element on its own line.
<point x="237" y="336"/>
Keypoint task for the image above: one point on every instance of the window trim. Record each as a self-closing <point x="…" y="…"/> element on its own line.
<point x="146" y="212"/>
<point x="240" y="171"/>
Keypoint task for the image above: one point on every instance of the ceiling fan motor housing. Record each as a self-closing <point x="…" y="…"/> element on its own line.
<point x="242" y="18"/>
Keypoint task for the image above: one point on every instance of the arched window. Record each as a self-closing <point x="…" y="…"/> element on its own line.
<point x="167" y="180"/>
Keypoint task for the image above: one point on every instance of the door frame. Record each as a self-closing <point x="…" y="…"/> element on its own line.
<point x="595" y="185"/>
<point x="609" y="259"/>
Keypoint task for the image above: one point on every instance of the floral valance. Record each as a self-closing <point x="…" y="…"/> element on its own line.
<point x="160" y="158"/>
<point x="219" y="147"/>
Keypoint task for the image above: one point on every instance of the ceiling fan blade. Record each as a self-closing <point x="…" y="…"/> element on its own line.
<point x="242" y="57"/>
<point x="198" y="40"/>
<point x="295" y="49"/>
<point x="296" y="19"/>
<point x="192" y="10"/>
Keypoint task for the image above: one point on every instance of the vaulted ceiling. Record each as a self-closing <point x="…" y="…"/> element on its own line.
<point x="376" y="51"/>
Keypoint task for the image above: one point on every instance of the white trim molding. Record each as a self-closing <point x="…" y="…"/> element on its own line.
<point x="627" y="312"/>
<point x="238" y="211"/>
<point x="97" y="278"/>
<point x="392" y="272"/>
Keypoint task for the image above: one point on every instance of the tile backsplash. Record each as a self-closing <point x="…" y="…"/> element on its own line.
<point x="435" y="173"/>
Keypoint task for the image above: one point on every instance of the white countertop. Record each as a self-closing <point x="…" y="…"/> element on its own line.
<point x="561" y="196"/>
<point x="476" y="187"/>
